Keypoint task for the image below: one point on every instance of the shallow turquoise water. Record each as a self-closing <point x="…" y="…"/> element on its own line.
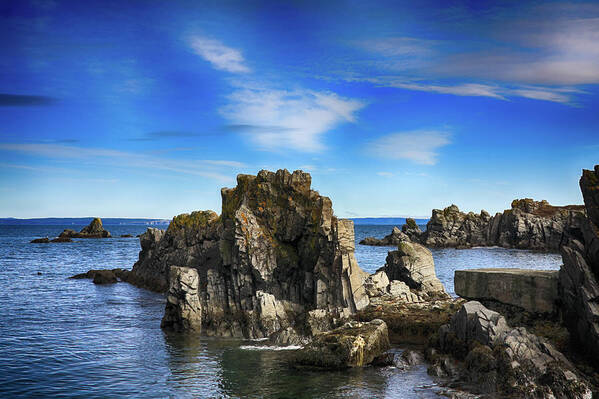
<point x="71" y="338"/>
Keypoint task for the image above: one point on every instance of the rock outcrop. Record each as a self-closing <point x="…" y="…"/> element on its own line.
<point x="93" y="230"/>
<point x="494" y="358"/>
<point x="395" y="238"/>
<point x="412" y="230"/>
<point x="413" y="265"/>
<point x="44" y="240"/>
<point x="275" y="254"/>
<point x="534" y="291"/>
<point x="579" y="275"/>
<point x="355" y="344"/>
<point x="528" y="224"/>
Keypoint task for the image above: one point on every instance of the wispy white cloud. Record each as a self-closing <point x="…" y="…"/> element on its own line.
<point x="466" y="89"/>
<point x="203" y="168"/>
<point x="220" y="56"/>
<point x="418" y="146"/>
<point x="279" y="119"/>
<point x="385" y="174"/>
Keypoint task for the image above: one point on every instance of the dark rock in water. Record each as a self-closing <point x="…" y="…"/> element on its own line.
<point x="579" y="275"/>
<point x="39" y="273"/>
<point x="105" y="277"/>
<point x="395" y="238"/>
<point x="411" y="229"/>
<point x="44" y="240"/>
<point x="126" y="236"/>
<point x="61" y="239"/>
<point x="498" y="359"/>
<point x="93" y="230"/>
<point x="528" y="224"/>
<point x="275" y="254"/>
<point x="384" y="360"/>
<point x="352" y="345"/>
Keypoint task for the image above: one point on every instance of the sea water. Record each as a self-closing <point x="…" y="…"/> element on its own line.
<point x="72" y="338"/>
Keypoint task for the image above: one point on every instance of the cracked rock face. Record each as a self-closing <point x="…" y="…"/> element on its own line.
<point x="275" y="253"/>
<point x="578" y="277"/>
<point x="183" y="309"/>
<point x="510" y="361"/>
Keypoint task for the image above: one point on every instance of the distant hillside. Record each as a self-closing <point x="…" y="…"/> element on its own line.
<point x="81" y="221"/>
<point x="386" y="221"/>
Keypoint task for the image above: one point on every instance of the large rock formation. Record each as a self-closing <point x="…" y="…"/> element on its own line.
<point x="275" y="253"/>
<point x="494" y="358"/>
<point x="93" y="230"/>
<point x="579" y="275"/>
<point x="528" y="224"/>
<point x="532" y="290"/>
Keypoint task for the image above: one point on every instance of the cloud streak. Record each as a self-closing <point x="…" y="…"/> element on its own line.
<point x="417" y="146"/>
<point x="109" y="157"/>
<point x="220" y="56"/>
<point x="20" y="100"/>
<point x="278" y="119"/>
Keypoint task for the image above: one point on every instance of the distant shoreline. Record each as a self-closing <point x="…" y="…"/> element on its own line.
<point x="155" y="221"/>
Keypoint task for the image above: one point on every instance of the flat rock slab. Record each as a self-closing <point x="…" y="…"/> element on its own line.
<point x="532" y="290"/>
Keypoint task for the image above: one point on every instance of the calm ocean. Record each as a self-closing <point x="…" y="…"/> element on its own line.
<point x="71" y="338"/>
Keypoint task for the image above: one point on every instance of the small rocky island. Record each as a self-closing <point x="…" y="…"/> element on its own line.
<point x="92" y="230"/>
<point x="277" y="264"/>
<point x="528" y="224"/>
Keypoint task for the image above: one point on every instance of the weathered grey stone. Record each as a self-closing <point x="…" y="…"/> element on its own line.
<point x="414" y="265"/>
<point x="532" y="290"/>
<point x="352" y="345"/>
<point x="275" y="253"/>
<point x="183" y="310"/>
<point x="377" y="284"/>
<point x="506" y="361"/>
<point x="104" y="277"/>
<point x="528" y="224"/>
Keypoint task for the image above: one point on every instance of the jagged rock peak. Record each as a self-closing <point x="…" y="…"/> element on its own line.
<point x="276" y="252"/>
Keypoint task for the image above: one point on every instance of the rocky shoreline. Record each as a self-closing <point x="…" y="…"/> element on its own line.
<point x="277" y="264"/>
<point x="529" y="224"/>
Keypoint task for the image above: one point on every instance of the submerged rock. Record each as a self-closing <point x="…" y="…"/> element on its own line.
<point x="61" y="239"/>
<point x="352" y="345"/>
<point x="44" y="240"/>
<point x="104" y="277"/>
<point x="93" y="230"/>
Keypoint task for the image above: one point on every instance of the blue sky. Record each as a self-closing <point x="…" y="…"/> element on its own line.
<point x="147" y="109"/>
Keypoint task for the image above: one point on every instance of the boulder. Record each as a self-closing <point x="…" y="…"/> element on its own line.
<point x="413" y="264"/>
<point x="507" y="361"/>
<point x="44" y="240"/>
<point x="183" y="309"/>
<point x="532" y="290"/>
<point x="274" y="254"/>
<point x="126" y="236"/>
<point x="353" y="345"/>
<point x="395" y="238"/>
<point x="93" y="230"/>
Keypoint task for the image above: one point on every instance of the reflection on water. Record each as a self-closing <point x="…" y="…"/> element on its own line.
<point x="71" y="338"/>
